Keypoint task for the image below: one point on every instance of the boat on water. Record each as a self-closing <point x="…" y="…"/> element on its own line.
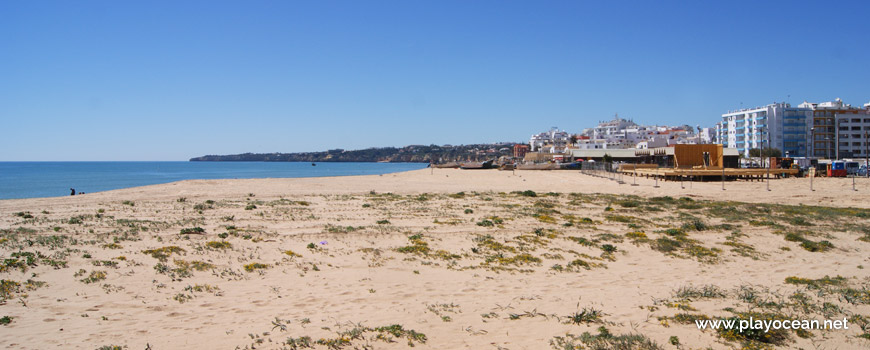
<point x="476" y="165"/>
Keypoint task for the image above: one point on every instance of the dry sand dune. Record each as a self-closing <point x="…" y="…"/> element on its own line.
<point x="441" y="259"/>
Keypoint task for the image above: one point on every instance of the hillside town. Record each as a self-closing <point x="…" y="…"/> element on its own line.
<point x="819" y="135"/>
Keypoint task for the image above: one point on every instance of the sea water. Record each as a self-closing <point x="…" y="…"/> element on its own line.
<point x="51" y="179"/>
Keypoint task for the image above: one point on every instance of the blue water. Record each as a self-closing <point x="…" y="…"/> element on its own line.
<point x="51" y="179"/>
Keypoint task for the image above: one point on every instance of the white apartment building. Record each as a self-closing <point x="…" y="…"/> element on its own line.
<point x="838" y="130"/>
<point x="613" y="128"/>
<point x="708" y="135"/>
<point x="622" y="133"/>
<point x="776" y="125"/>
<point x="553" y="141"/>
<point x="853" y="131"/>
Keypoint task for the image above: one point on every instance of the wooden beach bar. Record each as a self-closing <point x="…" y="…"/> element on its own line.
<point x="701" y="162"/>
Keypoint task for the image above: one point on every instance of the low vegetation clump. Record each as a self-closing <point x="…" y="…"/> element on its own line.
<point x="581" y="241"/>
<point x="342" y="229"/>
<point x="417" y="246"/>
<point x="579" y="263"/>
<point x="695" y="224"/>
<point x="490" y="221"/>
<point x="8" y="289"/>
<point x="488" y="243"/>
<point x="163" y="253"/>
<point x="24" y="215"/>
<point x="676" y="243"/>
<point x="519" y="259"/>
<point x="292" y="254"/>
<point x="193" y="231"/>
<point x="545" y="218"/>
<point x="816" y="283"/>
<point x="604" y="340"/>
<point x="112" y="347"/>
<point x="94" y="277"/>
<point x="809" y="245"/>
<point x="628" y="203"/>
<point x="219" y="245"/>
<point x="195" y="265"/>
<point x="620" y="218"/>
<point x="690" y="292"/>
<point x="442" y="310"/>
<point x="585" y="315"/>
<point x="763" y="223"/>
<point x="755" y="338"/>
<point x="359" y="334"/>
<point x="420" y="247"/>
<point x="21" y="261"/>
<point x="107" y="263"/>
<point x="637" y="236"/>
<point x="255" y="266"/>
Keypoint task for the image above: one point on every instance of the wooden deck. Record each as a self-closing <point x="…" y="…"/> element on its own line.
<point x="711" y="174"/>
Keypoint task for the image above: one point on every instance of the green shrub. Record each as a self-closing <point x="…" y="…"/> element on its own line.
<point x="193" y="231"/>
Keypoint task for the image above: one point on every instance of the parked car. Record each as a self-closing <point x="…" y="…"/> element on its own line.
<point x="862" y="171"/>
<point x="851" y="168"/>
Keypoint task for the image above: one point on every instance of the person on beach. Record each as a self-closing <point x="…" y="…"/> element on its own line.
<point x="72" y="191"/>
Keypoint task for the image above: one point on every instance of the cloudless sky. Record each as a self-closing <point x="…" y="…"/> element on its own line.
<point x="170" y="80"/>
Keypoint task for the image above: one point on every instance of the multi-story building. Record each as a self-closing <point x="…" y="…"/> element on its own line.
<point x="614" y="128"/>
<point x="520" y="150"/>
<point x="622" y="133"/>
<point x="553" y="141"/>
<point x="708" y="135"/>
<point x="853" y="131"/>
<point x="777" y="125"/>
<point x="835" y="126"/>
<point x="821" y="130"/>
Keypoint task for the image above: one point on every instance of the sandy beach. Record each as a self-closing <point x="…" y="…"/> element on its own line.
<point x="436" y="259"/>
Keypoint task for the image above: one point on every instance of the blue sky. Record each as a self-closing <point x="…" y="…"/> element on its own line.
<point x="127" y="80"/>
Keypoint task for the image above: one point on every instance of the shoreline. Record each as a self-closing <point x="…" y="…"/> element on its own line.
<point x="836" y="192"/>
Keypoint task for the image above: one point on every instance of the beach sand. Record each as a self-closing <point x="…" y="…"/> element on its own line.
<point x="437" y="259"/>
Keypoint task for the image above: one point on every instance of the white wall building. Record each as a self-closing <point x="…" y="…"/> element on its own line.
<point x="553" y="141"/>
<point x="776" y="125"/>
<point x="622" y="133"/>
<point x="853" y="130"/>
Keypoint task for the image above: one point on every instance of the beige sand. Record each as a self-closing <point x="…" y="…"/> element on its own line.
<point x="462" y="283"/>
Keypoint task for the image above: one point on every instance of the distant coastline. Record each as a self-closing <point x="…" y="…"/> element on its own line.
<point x="407" y="154"/>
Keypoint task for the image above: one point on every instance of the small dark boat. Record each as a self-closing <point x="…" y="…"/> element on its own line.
<point x="448" y="165"/>
<point x="476" y="165"/>
<point x="571" y="166"/>
<point x="312" y="164"/>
